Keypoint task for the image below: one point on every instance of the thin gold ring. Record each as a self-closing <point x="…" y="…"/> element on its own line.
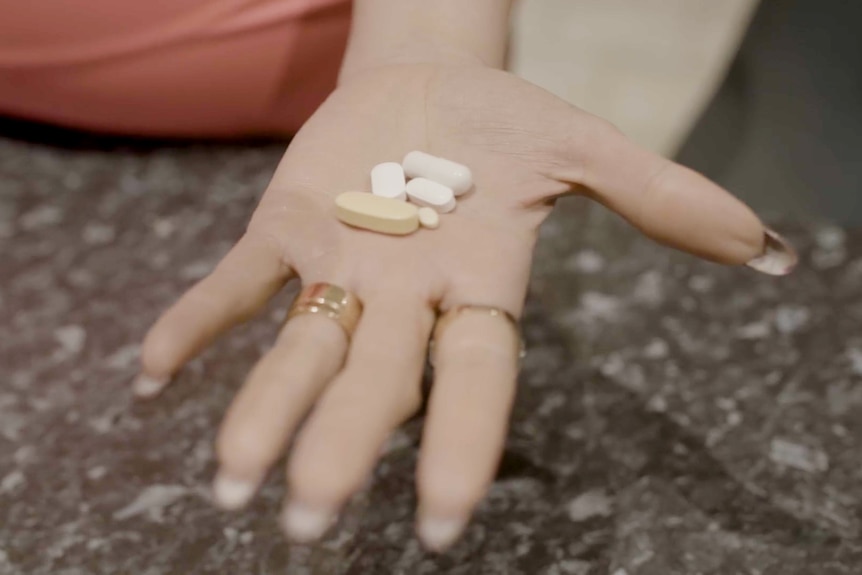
<point x="444" y="319"/>
<point x="329" y="300"/>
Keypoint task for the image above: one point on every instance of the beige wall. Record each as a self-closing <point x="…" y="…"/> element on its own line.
<point x="647" y="65"/>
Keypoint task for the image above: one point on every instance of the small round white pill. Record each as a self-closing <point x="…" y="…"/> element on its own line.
<point x="388" y="181"/>
<point x="453" y="175"/>
<point x="430" y="194"/>
<point x="429" y="218"/>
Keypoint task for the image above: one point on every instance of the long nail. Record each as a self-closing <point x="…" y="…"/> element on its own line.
<point x="231" y="493"/>
<point x="147" y="387"/>
<point x="778" y="257"/>
<point x="437" y="534"/>
<point x="304" y="523"/>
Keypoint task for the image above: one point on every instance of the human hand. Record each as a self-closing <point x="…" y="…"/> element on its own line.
<point x="525" y="148"/>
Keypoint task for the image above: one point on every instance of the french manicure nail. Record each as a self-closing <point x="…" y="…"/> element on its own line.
<point x="304" y="523"/>
<point x="437" y="534"/>
<point x="231" y="493"/>
<point x="146" y="386"/>
<point x="778" y="257"/>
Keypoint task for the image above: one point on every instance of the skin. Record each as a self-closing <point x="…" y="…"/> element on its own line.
<point x="526" y="148"/>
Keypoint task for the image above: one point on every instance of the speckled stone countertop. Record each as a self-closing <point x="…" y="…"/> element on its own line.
<point x="674" y="417"/>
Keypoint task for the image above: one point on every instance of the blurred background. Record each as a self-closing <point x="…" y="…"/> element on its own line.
<point x="674" y="416"/>
<point x="650" y="66"/>
<point x="762" y="97"/>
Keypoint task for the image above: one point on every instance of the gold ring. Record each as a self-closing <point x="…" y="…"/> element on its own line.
<point x="330" y="300"/>
<point x="449" y="315"/>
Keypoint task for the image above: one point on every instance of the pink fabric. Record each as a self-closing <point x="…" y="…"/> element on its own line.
<point x="170" y="67"/>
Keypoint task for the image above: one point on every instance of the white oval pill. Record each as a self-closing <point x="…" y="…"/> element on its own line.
<point x="431" y="194"/>
<point x="429" y="218"/>
<point x="377" y="214"/>
<point x="453" y="175"/>
<point x="388" y="181"/>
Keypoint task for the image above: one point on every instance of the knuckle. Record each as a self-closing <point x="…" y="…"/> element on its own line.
<point x="242" y="447"/>
<point x="321" y="480"/>
<point x="655" y="195"/>
<point x="203" y="298"/>
<point x="262" y="237"/>
<point x="158" y="352"/>
<point x="655" y="185"/>
<point x="441" y="493"/>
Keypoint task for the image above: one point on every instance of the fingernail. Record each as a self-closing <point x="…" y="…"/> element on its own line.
<point x="231" y="493"/>
<point x="438" y="534"/>
<point x="303" y="523"/>
<point x="146" y="386"/>
<point x="778" y="258"/>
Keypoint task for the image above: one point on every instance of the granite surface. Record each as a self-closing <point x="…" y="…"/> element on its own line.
<point x="674" y="416"/>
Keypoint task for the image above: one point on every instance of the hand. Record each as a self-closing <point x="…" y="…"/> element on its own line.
<point x="525" y="148"/>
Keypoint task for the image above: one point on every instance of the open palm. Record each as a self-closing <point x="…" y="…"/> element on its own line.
<point x="525" y="148"/>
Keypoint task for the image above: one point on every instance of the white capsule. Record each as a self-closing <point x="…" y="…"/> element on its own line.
<point x="429" y="218"/>
<point x="388" y="181"/>
<point x="430" y="194"/>
<point x="454" y="176"/>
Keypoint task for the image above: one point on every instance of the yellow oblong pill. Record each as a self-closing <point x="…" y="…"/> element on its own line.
<point x="376" y="213"/>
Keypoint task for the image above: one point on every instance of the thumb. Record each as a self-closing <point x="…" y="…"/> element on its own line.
<point x="670" y="203"/>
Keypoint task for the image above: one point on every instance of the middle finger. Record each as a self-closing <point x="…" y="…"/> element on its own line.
<point x="378" y="388"/>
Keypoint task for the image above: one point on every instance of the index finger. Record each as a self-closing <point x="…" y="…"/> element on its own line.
<point x="242" y="283"/>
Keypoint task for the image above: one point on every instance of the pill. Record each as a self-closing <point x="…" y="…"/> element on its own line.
<point x="370" y="212"/>
<point x="429" y="218"/>
<point x="454" y="176"/>
<point x="388" y="181"/>
<point x="430" y="194"/>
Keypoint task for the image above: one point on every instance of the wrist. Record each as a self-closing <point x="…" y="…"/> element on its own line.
<point x="414" y="52"/>
<point x="450" y="32"/>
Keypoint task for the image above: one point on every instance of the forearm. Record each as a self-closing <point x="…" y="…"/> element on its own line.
<point x="387" y="32"/>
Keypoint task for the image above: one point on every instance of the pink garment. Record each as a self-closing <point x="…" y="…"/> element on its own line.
<point x="170" y="67"/>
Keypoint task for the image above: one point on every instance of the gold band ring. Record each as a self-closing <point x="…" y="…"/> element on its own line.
<point x="449" y="315"/>
<point x="331" y="301"/>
